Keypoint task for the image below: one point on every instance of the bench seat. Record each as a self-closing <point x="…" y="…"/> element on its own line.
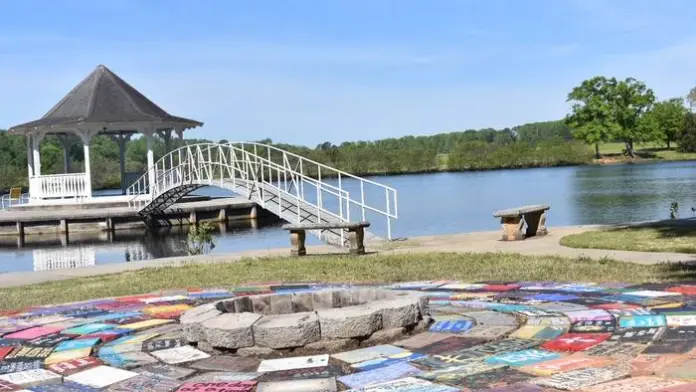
<point x="513" y="220"/>
<point x="356" y="235"/>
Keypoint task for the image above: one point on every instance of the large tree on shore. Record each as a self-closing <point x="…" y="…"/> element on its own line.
<point x="608" y="109"/>
<point x="666" y="120"/>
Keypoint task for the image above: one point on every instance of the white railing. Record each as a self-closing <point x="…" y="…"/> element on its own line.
<point x="58" y="186"/>
<point x="270" y="176"/>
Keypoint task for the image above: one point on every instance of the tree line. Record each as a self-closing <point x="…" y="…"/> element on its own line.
<point x="607" y="109"/>
<point x="530" y="145"/>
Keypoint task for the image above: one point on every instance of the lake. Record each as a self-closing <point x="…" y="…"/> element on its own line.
<point x="429" y="204"/>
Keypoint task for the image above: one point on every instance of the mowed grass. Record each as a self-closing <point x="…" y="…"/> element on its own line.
<point x="660" y="237"/>
<point x="377" y="268"/>
<point x="647" y="151"/>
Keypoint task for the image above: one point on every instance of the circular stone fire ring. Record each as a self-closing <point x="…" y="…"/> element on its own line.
<point x="260" y="324"/>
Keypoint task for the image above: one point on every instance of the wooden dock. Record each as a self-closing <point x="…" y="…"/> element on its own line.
<point x="81" y="218"/>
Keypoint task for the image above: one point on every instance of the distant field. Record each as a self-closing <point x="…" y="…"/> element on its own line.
<point x="648" y="150"/>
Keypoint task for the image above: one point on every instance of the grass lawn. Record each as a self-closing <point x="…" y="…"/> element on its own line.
<point x="661" y="237"/>
<point x="371" y="268"/>
<point x="648" y="151"/>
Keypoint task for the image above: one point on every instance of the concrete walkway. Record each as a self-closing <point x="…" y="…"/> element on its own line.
<point x="481" y="242"/>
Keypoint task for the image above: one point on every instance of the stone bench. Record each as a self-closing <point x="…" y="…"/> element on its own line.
<point x="513" y="221"/>
<point x="356" y="235"/>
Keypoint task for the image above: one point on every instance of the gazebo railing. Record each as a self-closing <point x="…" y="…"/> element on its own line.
<point x="59" y="186"/>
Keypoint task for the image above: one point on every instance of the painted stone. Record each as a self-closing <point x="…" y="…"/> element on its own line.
<point x="8" y="386"/>
<point x="388" y="373"/>
<point x="647" y="365"/>
<point x="451" y="326"/>
<point x="593" y="326"/>
<point x="636" y="384"/>
<point x="679" y="333"/>
<point x="30" y="378"/>
<point x="580" y="379"/>
<point x="226" y="363"/>
<point x="138" y="326"/>
<point x="128" y="360"/>
<point x="315" y="385"/>
<point x="478" y="352"/>
<point x="496" y="377"/>
<point x="524" y="357"/>
<point x="449" y="375"/>
<point x="87" y="329"/>
<point x="76" y="344"/>
<point x="224" y="376"/>
<point x="162" y="344"/>
<point x="575" y="341"/>
<point x="47" y="341"/>
<point x="450" y="344"/>
<point x="218" y="386"/>
<point x="146" y="382"/>
<point x="368" y="353"/>
<point x="386" y="361"/>
<point x="101" y="376"/>
<point x="681" y="320"/>
<point x="33" y="333"/>
<point x="73" y="366"/>
<point x="565" y="364"/>
<point x="20" y="366"/>
<point x="685" y="370"/>
<point x="671" y="347"/>
<point x="644" y="321"/>
<point x="270" y="365"/>
<point x="4" y="351"/>
<point x="642" y="335"/>
<point x="614" y="349"/>
<point x="306" y="373"/>
<point x="492" y="332"/>
<point x="177" y="355"/>
<point x="406" y="384"/>
<point x="421" y="340"/>
<point x="28" y="353"/>
<point x="174" y="372"/>
<point x="65" y="387"/>
<point x="68" y="355"/>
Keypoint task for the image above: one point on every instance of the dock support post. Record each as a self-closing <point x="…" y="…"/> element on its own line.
<point x="20" y="234"/>
<point x="109" y="224"/>
<point x="297" y="243"/>
<point x="63" y="226"/>
<point x="254" y="214"/>
<point x="193" y="218"/>
<point x="222" y="216"/>
<point x="356" y="238"/>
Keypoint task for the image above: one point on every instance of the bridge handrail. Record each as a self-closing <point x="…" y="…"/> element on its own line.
<point x="298" y="172"/>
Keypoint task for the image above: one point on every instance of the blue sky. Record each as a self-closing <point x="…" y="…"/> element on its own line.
<point x="306" y="71"/>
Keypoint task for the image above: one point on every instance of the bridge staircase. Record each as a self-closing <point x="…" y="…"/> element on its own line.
<point x="296" y="189"/>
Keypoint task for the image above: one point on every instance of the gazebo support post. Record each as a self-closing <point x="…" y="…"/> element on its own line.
<point x="66" y="143"/>
<point x="30" y="162"/>
<point x="36" y="147"/>
<point x="122" y="139"/>
<point x="166" y="135"/>
<point x="86" y="137"/>
<point x="149" y="136"/>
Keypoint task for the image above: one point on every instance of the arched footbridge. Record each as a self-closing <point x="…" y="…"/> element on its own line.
<point x="294" y="188"/>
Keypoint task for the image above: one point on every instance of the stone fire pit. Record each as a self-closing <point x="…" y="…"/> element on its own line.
<point x="281" y="321"/>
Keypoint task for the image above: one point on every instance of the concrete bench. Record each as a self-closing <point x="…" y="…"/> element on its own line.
<point x="513" y="221"/>
<point x="356" y="235"/>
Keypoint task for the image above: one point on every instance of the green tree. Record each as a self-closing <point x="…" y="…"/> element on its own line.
<point x="666" y="119"/>
<point x="591" y="118"/>
<point x="605" y="108"/>
<point x="687" y="138"/>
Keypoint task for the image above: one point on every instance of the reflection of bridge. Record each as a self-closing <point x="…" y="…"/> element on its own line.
<point x="296" y="189"/>
<point x="136" y="246"/>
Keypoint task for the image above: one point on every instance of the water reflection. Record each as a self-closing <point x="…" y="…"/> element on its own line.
<point x="74" y="250"/>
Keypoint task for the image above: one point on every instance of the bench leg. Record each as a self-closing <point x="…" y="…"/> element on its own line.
<point x="536" y="224"/>
<point x="297" y="243"/>
<point x="356" y="237"/>
<point x="512" y="228"/>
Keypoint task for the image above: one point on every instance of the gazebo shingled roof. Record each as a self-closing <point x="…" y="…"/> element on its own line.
<point x="104" y="98"/>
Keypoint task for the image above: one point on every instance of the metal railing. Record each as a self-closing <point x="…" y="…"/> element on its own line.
<point x="294" y="187"/>
<point x="58" y="186"/>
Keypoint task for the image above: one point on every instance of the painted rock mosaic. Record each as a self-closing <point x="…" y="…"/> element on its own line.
<point x="489" y="336"/>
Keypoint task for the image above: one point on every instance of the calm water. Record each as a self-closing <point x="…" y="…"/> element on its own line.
<point x="428" y="204"/>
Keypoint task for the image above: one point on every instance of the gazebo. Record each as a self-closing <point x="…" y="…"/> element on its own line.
<point x="102" y="104"/>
